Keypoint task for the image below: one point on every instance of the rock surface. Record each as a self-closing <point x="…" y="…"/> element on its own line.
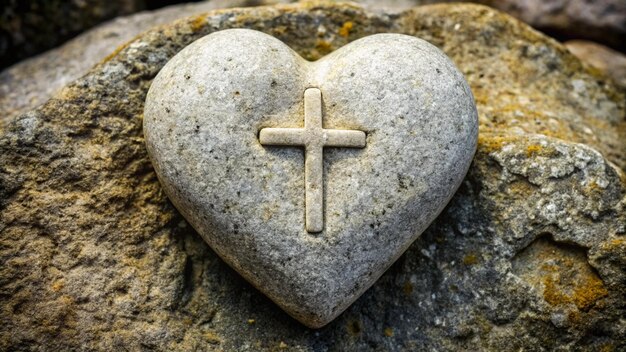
<point x="610" y="62"/>
<point x="30" y="27"/>
<point x="530" y="251"/>
<point x="210" y="108"/>
<point x="602" y="21"/>
<point x="30" y="83"/>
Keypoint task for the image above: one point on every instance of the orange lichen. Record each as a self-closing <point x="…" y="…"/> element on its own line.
<point x="533" y="150"/>
<point x="388" y="332"/>
<point x="607" y="347"/>
<point x="115" y="52"/>
<point x="470" y="259"/>
<point x="552" y="294"/>
<point x="616" y="243"/>
<point x="562" y="275"/>
<point x="560" y="289"/>
<point x="198" y="22"/>
<point x="323" y="47"/>
<point x="593" y="186"/>
<point x="407" y="288"/>
<point x="521" y="187"/>
<point x="279" y="30"/>
<point x="212" y="338"/>
<point x="490" y="143"/>
<point x="344" y="31"/>
<point x="354" y="327"/>
<point x="58" y="285"/>
<point x="585" y="296"/>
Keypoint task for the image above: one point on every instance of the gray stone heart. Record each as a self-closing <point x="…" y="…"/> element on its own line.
<point x="204" y="115"/>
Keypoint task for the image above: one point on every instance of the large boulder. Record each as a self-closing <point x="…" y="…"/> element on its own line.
<point x="530" y="252"/>
<point x="30" y="83"/>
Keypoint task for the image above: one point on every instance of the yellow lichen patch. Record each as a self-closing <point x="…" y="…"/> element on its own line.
<point x="561" y="289"/>
<point x="593" y="188"/>
<point x="407" y="288"/>
<point x="533" y="150"/>
<point x="607" y="347"/>
<point x="344" y="31"/>
<point x="354" y="327"/>
<point x="115" y="52"/>
<point x="279" y="30"/>
<point x="490" y="144"/>
<point x="615" y="243"/>
<point x="521" y="187"/>
<point x="470" y="259"/>
<point x="212" y="338"/>
<point x="388" y="332"/>
<point x="198" y="22"/>
<point x="58" y="285"/>
<point x="561" y="273"/>
<point x="585" y="295"/>
<point x="323" y="47"/>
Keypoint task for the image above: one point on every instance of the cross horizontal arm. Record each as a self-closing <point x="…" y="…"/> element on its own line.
<point x="283" y="136"/>
<point x="344" y="138"/>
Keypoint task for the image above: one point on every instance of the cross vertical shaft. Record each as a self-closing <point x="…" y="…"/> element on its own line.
<point x="314" y="161"/>
<point x="313" y="137"/>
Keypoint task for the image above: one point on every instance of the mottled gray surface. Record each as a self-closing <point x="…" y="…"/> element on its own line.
<point x="202" y="118"/>
<point x="528" y="254"/>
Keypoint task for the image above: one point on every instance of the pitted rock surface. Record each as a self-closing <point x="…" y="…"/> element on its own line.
<point x="530" y="251"/>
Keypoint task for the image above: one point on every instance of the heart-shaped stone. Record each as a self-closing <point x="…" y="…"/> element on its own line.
<point x="217" y="110"/>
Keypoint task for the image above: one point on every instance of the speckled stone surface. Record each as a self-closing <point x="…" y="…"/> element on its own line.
<point x="202" y="120"/>
<point x="529" y="252"/>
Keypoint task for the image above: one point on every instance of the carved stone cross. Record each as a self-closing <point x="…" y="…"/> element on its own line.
<point x="313" y="137"/>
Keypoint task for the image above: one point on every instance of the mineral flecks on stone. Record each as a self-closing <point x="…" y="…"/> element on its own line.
<point x="530" y="251"/>
<point x="210" y="104"/>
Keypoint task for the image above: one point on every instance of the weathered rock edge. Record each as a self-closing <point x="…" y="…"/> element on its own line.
<point x="529" y="252"/>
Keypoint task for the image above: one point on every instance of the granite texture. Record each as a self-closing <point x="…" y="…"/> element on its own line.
<point x="528" y="255"/>
<point x="31" y="82"/>
<point x="202" y="120"/>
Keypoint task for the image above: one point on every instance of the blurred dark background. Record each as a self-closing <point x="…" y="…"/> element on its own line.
<point x="29" y="27"/>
